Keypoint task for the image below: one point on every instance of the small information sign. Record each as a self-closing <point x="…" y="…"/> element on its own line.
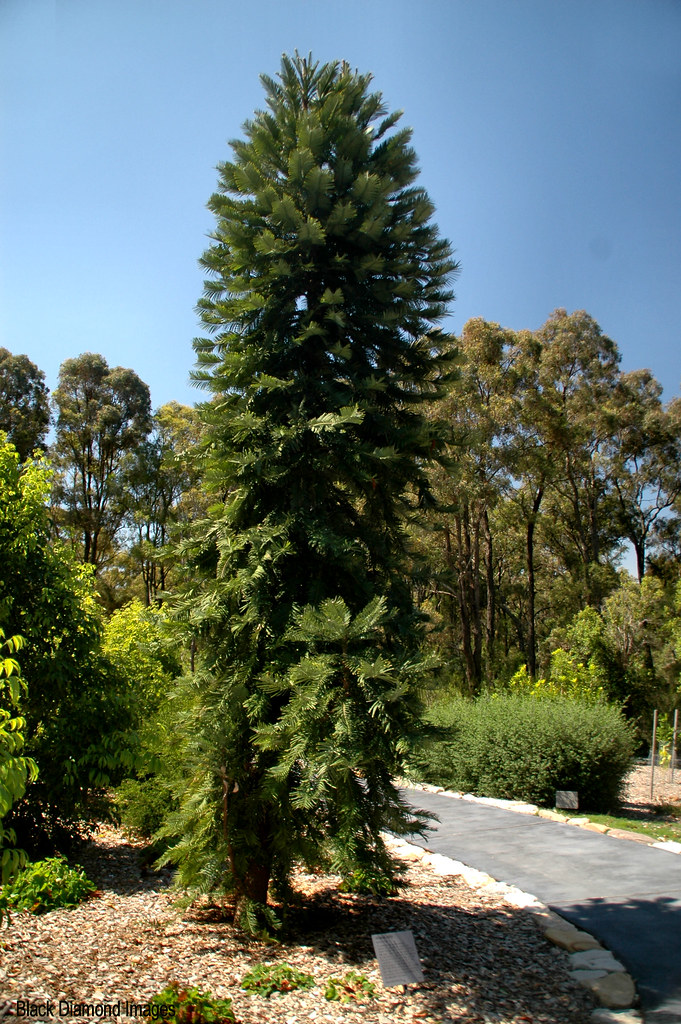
<point x="567" y="800"/>
<point x="397" y="958"/>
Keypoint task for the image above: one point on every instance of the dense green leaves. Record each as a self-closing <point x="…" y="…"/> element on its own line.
<point x="326" y="280"/>
<point x="520" y="748"/>
<point x="78" y="716"/>
<point x="24" y="408"/>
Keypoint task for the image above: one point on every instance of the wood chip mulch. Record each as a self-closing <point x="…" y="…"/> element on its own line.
<point x="483" y="960"/>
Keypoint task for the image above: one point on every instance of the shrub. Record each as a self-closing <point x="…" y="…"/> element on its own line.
<point x="352" y="986"/>
<point x="189" y="1006"/>
<point x="517" y="747"/>
<point x="142" y="804"/>
<point x="566" y="678"/>
<point x="47" y="885"/>
<point x="366" y="882"/>
<point x="265" y="979"/>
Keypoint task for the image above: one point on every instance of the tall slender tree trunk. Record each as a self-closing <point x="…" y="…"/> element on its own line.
<point x="490" y="616"/>
<point x="531" y="637"/>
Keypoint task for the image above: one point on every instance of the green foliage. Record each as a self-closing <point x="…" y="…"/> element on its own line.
<point x="369" y="883"/>
<point x="187" y="1005"/>
<point x="517" y="747"/>
<point x="326" y="278"/>
<point x="142" y="804"/>
<point x="24" y="408"/>
<point x="78" y="714"/>
<point x="137" y="642"/>
<point x="352" y="987"/>
<point x="16" y="770"/>
<point x="267" y="978"/>
<point x="628" y="648"/>
<point x="135" y="639"/>
<point x="566" y="678"/>
<point x="47" y="885"/>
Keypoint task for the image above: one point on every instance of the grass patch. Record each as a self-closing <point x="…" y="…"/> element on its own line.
<point x="659" y="825"/>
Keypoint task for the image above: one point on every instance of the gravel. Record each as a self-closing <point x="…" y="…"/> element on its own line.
<point x="483" y="959"/>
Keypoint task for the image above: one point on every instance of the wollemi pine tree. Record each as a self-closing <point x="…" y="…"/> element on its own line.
<point x="326" y="278"/>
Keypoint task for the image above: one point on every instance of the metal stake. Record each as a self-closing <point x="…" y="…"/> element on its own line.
<point x="676" y="730"/>
<point x="652" y="753"/>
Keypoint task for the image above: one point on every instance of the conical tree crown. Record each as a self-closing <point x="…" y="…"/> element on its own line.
<point x="326" y="278"/>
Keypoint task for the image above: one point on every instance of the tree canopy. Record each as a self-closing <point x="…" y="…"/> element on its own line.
<point x="24" y="406"/>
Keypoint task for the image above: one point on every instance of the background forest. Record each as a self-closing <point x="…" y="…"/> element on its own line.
<point x="555" y="461"/>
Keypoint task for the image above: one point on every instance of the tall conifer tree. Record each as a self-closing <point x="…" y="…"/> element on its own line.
<point x="326" y="278"/>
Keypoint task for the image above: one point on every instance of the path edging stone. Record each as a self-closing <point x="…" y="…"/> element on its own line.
<point x="589" y="962"/>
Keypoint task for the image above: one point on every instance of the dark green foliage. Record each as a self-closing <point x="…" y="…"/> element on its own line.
<point x="190" y="1006"/>
<point x="16" y="770"/>
<point x="24" y="408"/>
<point x="47" y="885"/>
<point x="522" y="748"/>
<point x="369" y="883"/>
<point x="326" y="278"/>
<point x="265" y="979"/>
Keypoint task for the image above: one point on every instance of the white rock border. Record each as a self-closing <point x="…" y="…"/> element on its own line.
<point x="590" y="963"/>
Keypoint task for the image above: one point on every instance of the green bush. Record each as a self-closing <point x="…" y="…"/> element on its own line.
<point x="516" y="747"/>
<point x="189" y="1006"/>
<point x="142" y="804"/>
<point x="46" y="885"/>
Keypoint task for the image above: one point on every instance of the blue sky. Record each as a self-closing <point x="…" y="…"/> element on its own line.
<point x="548" y="134"/>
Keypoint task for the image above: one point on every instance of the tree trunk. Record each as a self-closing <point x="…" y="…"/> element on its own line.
<point x="531" y="638"/>
<point x="640" y="549"/>
<point x="490" y="616"/>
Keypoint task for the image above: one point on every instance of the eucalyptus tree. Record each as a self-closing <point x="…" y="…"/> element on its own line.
<point x="578" y="379"/>
<point x="24" y="405"/>
<point x="645" y="460"/>
<point x="481" y="409"/>
<point x="326" y="279"/>
<point x="102" y="413"/>
<point x="162" y="493"/>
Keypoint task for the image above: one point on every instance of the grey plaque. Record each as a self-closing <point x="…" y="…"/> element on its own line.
<point x="397" y="958"/>
<point x="567" y="800"/>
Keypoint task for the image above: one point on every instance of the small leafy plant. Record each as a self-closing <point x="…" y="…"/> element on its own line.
<point x="46" y="885"/>
<point x="352" y="986"/>
<point x="265" y="979"/>
<point x="369" y="883"/>
<point x="189" y="1006"/>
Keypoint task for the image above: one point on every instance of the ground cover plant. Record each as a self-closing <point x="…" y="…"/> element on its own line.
<point x="353" y="986"/>
<point x="187" y="1005"/>
<point x="46" y="885"/>
<point x="265" y="979"/>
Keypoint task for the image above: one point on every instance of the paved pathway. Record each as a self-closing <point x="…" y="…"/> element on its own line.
<point x="626" y="894"/>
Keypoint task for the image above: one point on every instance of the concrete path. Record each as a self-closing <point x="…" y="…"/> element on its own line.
<point x="626" y="894"/>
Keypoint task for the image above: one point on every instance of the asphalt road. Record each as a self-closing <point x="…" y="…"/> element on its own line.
<point x="626" y="894"/>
